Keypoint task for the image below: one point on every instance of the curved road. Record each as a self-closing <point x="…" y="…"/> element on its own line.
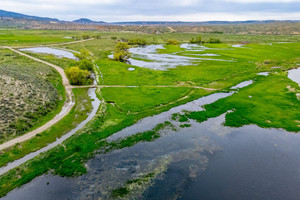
<point x="65" y="109"/>
<point x="69" y="101"/>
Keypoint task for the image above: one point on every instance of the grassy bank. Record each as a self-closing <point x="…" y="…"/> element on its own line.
<point x="78" y="114"/>
<point x="269" y="103"/>
<point x="125" y="106"/>
<point x="31" y="94"/>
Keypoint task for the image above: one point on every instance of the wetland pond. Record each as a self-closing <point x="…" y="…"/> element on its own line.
<point x="47" y="50"/>
<point x="202" y="161"/>
<point x="148" y="57"/>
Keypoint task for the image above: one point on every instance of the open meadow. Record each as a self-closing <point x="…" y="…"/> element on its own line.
<point x="160" y="78"/>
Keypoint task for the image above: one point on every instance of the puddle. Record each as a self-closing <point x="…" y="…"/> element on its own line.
<point x="242" y="85"/>
<point x="264" y="73"/>
<point x="131" y="69"/>
<point x="208" y="54"/>
<point x="147" y="57"/>
<point x="157" y="61"/>
<point x="238" y="45"/>
<point x="47" y="50"/>
<point x="294" y="75"/>
<point x="193" y="47"/>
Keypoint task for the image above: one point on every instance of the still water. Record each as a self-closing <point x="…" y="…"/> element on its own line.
<point x="204" y="161"/>
<point x="56" y="52"/>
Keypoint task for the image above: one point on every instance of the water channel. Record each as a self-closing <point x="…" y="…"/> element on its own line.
<point x="204" y="161"/>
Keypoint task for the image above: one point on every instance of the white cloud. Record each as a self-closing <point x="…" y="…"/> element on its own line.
<point x="212" y="16"/>
<point x="158" y="10"/>
<point x="70" y="2"/>
<point x="262" y="1"/>
<point x="183" y="2"/>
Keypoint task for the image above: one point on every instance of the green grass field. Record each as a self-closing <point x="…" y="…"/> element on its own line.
<point x="270" y="102"/>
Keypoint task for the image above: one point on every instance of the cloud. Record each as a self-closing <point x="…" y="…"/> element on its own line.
<point x="262" y="1"/>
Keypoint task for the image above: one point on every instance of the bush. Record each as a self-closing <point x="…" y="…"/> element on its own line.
<point x="85" y="37"/>
<point x="97" y="36"/>
<point x="124" y="40"/>
<point x="113" y="37"/>
<point x="172" y="42"/>
<point x="196" y="41"/>
<point x="85" y="64"/>
<point x="121" y="52"/>
<point x="78" y="76"/>
<point x="214" y="40"/>
<point x="75" y="38"/>
<point x="138" y="41"/>
<point x="84" y="54"/>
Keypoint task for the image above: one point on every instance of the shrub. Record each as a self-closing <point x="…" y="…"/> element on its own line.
<point x="214" y="40"/>
<point x="124" y="40"/>
<point x="113" y="37"/>
<point x="85" y="36"/>
<point x="84" y="54"/>
<point x="197" y="40"/>
<point x="75" y="38"/>
<point x="138" y="41"/>
<point x="97" y="36"/>
<point x="85" y="64"/>
<point x="121" y="52"/>
<point x="172" y="42"/>
<point x="78" y="76"/>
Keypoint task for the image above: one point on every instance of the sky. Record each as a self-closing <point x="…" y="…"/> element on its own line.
<point x="158" y="10"/>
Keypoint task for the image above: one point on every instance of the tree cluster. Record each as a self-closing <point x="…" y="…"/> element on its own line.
<point x="137" y="41"/>
<point x="80" y="74"/>
<point x="197" y="40"/>
<point x="121" y="52"/>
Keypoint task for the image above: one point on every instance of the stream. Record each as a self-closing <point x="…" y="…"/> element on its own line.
<point x="95" y="103"/>
<point x="204" y="161"/>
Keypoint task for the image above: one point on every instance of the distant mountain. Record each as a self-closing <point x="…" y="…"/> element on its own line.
<point x="87" y="21"/>
<point x="180" y="23"/>
<point x="8" y="14"/>
<point x="8" y="18"/>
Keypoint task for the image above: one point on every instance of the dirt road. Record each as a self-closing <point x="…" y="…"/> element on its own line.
<point x="70" y="100"/>
<point x="66" y="43"/>
<point x="65" y="110"/>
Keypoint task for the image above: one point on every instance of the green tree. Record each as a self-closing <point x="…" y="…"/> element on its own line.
<point x="85" y="36"/>
<point x="85" y="64"/>
<point x="84" y="54"/>
<point x="214" y="40"/>
<point x="98" y="36"/>
<point x="197" y="40"/>
<point x="138" y="41"/>
<point x="121" y="52"/>
<point x="78" y="76"/>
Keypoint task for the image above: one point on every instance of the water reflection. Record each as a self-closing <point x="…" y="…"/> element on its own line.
<point x="204" y="161"/>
